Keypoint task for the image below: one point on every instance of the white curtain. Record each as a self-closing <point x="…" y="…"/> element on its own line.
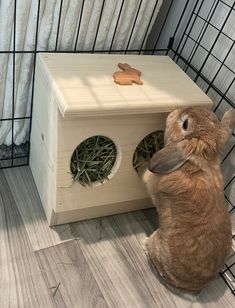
<point x="25" y="30"/>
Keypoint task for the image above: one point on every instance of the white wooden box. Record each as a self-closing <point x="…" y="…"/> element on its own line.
<point x="75" y="98"/>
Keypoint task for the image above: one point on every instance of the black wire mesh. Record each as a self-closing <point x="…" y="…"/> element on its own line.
<point x="13" y="156"/>
<point x="194" y="49"/>
<point x="196" y="52"/>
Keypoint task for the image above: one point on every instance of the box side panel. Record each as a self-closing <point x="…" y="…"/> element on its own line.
<point x="43" y="156"/>
<point x="93" y="212"/>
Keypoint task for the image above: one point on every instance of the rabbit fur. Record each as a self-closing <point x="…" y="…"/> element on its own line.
<point x="185" y="183"/>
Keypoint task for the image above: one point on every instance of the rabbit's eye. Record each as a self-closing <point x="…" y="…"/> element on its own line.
<point x="185" y="124"/>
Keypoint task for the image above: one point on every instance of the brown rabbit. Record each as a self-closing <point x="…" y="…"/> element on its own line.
<point x="185" y="183"/>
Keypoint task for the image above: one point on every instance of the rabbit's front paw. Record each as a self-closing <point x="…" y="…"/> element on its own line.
<point x="144" y="244"/>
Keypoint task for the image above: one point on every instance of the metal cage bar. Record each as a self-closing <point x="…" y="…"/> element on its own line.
<point x="13" y="52"/>
<point x="133" y="27"/>
<point x="185" y="58"/>
<point x="58" y="27"/>
<point x="176" y="48"/>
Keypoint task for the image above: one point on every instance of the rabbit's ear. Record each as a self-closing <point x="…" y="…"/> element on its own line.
<point x="228" y="125"/>
<point x="228" y="120"/>
<point x="166" y="160"/>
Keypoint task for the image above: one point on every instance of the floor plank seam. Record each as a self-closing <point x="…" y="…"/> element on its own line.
<point x="55" y="245"/>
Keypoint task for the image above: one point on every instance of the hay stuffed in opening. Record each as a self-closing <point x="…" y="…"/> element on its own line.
<point x="147" y="147"/>
<point x="93" y="160"/>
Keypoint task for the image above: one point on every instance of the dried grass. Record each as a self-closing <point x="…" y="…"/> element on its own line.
<point x="93" y="160"/>
<point x="147" y="147"/>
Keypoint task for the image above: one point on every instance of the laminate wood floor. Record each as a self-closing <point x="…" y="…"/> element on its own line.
<point x="95" y="263"/>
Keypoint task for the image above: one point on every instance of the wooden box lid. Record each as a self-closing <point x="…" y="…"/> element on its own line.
<point x="83" y="85"/>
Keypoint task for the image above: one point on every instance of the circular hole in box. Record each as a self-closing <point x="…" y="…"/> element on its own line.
<point x="93" y="160"/>
<point x="152" y="143"/>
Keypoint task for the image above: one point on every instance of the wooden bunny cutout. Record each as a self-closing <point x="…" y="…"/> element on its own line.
<point x="127" y="76"/>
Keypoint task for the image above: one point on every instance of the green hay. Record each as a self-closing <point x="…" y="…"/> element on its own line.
<point x="147" y="147"/>
<point x="93" y="160"/>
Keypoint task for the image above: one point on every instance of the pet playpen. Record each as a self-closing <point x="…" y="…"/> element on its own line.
<point x="197" y="35"/>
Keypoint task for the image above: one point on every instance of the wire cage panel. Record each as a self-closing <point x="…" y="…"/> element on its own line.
<point x="205" y="51"/>
<point x="57" y="26"/>
<point x="201" y="43"/>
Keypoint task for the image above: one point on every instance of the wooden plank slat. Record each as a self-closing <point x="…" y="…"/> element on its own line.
<point x="119" y="278"/>
<point x="29" y="205"/>
<point x="128" y="233"/>
<point x="118" y="240"/>
<point x="68" y="276"/>
<point x="215" y="294"/>
<point x="110" y="249"/>
<point x="21" y="282"/>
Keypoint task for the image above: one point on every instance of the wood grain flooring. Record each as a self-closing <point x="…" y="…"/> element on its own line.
<point x="21" y="281"/>
<point x="28" y="203"/>
<point x="68" y="276"/>
<point x="94" y="263"/>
